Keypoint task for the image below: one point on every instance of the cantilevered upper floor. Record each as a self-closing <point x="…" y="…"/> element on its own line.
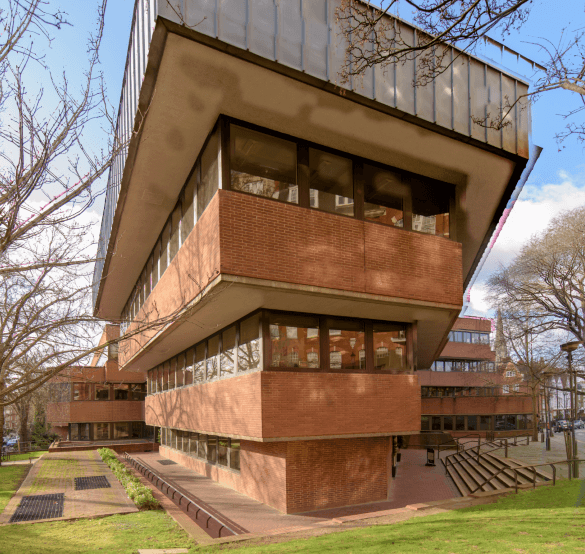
<point x="375" y="199"/>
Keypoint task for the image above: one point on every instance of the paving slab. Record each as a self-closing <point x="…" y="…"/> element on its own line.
<point x="55" y="473"/>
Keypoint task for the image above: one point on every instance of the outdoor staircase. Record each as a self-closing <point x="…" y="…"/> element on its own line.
<point x="468" y="473"/>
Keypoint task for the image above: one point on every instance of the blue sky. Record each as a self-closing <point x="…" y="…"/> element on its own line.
<point x="556" y="184"/>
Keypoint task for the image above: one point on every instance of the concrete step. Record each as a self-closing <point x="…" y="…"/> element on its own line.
<point x="489" y="469"/>
<point x="525" y="474"/>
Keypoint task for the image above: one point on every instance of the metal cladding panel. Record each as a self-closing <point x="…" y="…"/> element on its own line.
<point x="304" y="35"/>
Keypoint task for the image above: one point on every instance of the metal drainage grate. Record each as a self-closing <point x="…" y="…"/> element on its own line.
<point x="166" y="462"/>
<point x="87" y="483"/>
<point x="43" y="506"/>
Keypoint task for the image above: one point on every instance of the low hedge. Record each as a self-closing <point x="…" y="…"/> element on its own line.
<point x="141" y="496"/>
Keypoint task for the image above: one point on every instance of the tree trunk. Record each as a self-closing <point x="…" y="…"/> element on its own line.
<point x="534" y="414"/>
<point x="1" y="421"/>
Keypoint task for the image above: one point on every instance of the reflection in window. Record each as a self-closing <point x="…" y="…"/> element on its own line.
<point x="189" y="366"/>
<point x="385" y="195"/>
<point x="346" y="338"/>
<point x="228" y="351"/>
<point x="389" y="347"/>
<point x="263" y="165"/>
<point x="209" y="173"/>
<point x="293" y="351"/>
<point x="121" y="430"/>
<point x="81" y="391"/>
<point x="331" y="182"/>
<point x="102" y="392"/>
<point x="121" y="392"/>
<point x="249" y="346"/>
<point x="101" y="431"/>
<point x="212" y="357"/>
<point x="430" y="206"/>
<point x="199" y="363"/>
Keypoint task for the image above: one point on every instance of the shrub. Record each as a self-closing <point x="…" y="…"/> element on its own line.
<point x="141" y="496"/>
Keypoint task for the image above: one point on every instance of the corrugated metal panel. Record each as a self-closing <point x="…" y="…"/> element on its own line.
<point x="304" y="34"/>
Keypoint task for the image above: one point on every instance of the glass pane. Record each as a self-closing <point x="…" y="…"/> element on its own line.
<point x="175" y="241"/>
<point x="202" y="447"/>
<point x="430" y="206"/>
<point x="193" y="438"/>
<point x="485" y="423"/>
<point x="164" y="260"/>
<point x="121" y="430"/>
<point x="448" y="423"/>
<point x="166" y="369"/>
<point x="189" y="366"/>
<point x="212" y="450"/>
<point x="121" y="392"/>
<point x="436" y="423"/>
<point x="101" y="431"/>
<point x="102" y="392"/>
<point x="156" y="264"/>
<point x="172" y="372"/>
<point x="188" y="220"/>
<point x="159" y="378"/>
<point x="460" y="423"/>
<point x="346" y="339"/>
<point x="425" y="423"/>
<point x="84" y="431"/>
<point x="295" y="341"/>
<point x="212" y="361"/>
<point x="81" y="391"/>
<point x="249" y="346"/>
<point x="471" y="423"/>
<point x="209" y="173"/>
<point x="222" y="452"/>
<point x="228" y="351"/>
<point x="138" y="391"/>
<point x="389" y="347"/>
<point x="180" y="374"/>
<point x="235" y="454"/>
<point x="149" y="276"/>
<point x="385" y="192"/>
<point x="263" y="165"/>
<point x="137" y="429"/>
<point x="331" y="182"/>
<point x="199" y="363"/>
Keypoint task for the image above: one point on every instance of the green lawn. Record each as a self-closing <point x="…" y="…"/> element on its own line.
<point x="10" y="479"/>
<point x="16" y="457"/>
<point x="120" y="534"/>
<point x="548" y="520"/>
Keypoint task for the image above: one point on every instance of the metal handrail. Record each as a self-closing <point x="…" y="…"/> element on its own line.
<point x="448" y="461"/>
<point x="533" y="466"/>
<point x="456" y="440"/>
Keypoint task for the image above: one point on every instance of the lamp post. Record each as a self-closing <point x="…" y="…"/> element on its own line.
<point x="569" y="348"/>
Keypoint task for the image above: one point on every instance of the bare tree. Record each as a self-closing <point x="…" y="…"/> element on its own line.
<point x="372" y="37"/>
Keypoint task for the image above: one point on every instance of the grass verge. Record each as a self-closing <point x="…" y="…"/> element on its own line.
<point x="549" y="519"/>
<point x="121" y="534"/>
<point x="10" y="479"/>
<point x="16" y="457"/>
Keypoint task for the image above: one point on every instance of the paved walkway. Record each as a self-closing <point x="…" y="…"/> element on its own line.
<point x="536" y="453"/>
<point x="55" y="472"/>
<point x="414" y="484"/>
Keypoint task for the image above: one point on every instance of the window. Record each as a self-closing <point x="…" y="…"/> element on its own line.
<point x="222" y="451"/>
<point x="430" y="205"/>
<point x="282" y="346"/>
<point x="345" y="337"/>
<point x="212" y="450"/>
<point x="193" y="440"/>
<point x="330" y="176"/>
<point x="81" y="391"/>
<point x="228" y="351"/>
<point x="212" y="361"/>
<point x="425" y="423"/>
<point x="517" y="387"/>
<point x="138" y="391"/>
<point x="121" y="430"/>
<point x="189" y="199"/>
<point x="101" y="431"/>
<point x="506" y="389"/>
<point x="164" y="250"/>
<point x="385" y="196"/>
<point x="509" y="374"/>
<point x="175" y="240"/>
<point x="235" y="454"/>
<point x="448" y="423"/>
<point x="189" y="366"/>
<point x="249" y="344"/>
<point x="199" y="363"/>
<point x="436" y="423"/>
<point x="121" y="392"/>
<point x="459" y="423"/>
<point x="485" y="423"/>
<point x="263" y="165"/>
<point x="102" y="392"/>
<point x="180" y="372"/>
<point x="209" y="173"/>
<point x="389" y="340"/>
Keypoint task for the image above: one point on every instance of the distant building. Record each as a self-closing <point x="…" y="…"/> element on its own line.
<point x="466" y="390"/>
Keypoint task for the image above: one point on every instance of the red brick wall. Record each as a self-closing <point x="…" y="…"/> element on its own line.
<point x="460" y="379"/>
<point x="58" y="412"/>
<point x="230" y="406"/>
<point x="242" y="235"/>
<point x="263" y="473"/>
<point x="329" y="473"/>
<point x="103" y="411"/>
<point x="328" y="250"/>
<point x="321" y="404"/>
<point x="288" y="404"/>
<point x="472" y="324"/>
<point x="468" y="350"/>
<point x="477" y="405"/>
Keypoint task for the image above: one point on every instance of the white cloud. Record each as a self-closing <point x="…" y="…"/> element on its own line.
<point x="533" y="211"/>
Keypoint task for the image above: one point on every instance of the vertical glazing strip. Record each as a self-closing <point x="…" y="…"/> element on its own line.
<point x="487" y="100"/>
<point x="469" y="95"/>
<point x="434" y="87"/>
<point x="303" y="37"/>
<point x="328" y="23"/>
<point x="414" y="43"/>
<point x="216" y="19"/>
<point x="501" y="112"/>
<point x="249" y="24"/>
<point x="275" y="38"/>
<point x="516" y="114"/>
<point x="394" y="67"/>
